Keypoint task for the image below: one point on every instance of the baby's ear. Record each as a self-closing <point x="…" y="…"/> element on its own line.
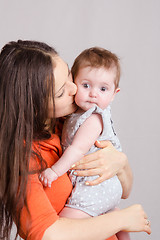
<point x="117" y="90"/>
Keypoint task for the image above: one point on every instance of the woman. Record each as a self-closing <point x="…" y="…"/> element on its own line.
<point x="35" y="88"/>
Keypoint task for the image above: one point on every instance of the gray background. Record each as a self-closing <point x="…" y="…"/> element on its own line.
<point x="130" y="28"/>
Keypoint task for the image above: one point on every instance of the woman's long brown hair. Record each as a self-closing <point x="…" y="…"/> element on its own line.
<point x="26" y="84"/>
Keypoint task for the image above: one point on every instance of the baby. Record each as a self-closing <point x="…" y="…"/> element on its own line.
<point x="96" y="72"/>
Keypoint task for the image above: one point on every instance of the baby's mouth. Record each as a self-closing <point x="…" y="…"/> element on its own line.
<point x="92" y="102"/>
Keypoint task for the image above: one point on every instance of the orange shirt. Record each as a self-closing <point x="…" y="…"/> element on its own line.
<point x="44" y="204"/>
<point x="112" y="238"/>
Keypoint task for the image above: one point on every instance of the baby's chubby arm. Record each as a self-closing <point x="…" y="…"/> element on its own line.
<point x="84" y="138"/>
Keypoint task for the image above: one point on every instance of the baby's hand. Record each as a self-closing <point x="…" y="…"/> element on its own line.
<point x="47" y="177"/>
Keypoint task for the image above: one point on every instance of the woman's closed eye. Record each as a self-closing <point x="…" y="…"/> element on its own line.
<point x="60" y="94"/>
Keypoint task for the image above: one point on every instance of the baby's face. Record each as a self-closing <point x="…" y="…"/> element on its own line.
<point x="95" y="86"/>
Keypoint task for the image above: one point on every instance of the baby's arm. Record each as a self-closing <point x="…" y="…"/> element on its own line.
<point x="84" y="138"/>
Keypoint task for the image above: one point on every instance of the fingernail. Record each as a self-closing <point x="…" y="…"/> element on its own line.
<point x="98" y="141"/>
<point x="75" y="173"/>
<point x="87" y="183"/>
<point x="73" y="166"/>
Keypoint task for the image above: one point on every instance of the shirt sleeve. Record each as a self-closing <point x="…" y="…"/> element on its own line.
<point x="39" y="213"/>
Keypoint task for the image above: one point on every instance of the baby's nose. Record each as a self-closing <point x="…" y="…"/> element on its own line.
<point x="93" y="93"/>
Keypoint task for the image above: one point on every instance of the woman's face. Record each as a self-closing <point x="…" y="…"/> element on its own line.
<point x="65" y="90"/>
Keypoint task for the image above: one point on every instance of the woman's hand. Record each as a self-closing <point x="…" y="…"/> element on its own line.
<point x="106" y="162"/>
<point x="135" y="219"/>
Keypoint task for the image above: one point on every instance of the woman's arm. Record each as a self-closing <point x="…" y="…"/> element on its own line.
<point x="106" y="163"/>
<point x="132" y="219"/>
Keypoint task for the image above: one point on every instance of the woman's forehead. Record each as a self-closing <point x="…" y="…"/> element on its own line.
<point x="61" y="72"/>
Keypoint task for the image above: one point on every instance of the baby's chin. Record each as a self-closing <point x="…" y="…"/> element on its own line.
<point x="88" y="106"/>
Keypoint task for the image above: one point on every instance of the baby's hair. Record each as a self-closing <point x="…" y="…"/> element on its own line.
<point x="97" y="57"/>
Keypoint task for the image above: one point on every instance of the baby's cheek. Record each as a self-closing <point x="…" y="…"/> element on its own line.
<point x="104" y="103"/>
<point x="79" y="97"/>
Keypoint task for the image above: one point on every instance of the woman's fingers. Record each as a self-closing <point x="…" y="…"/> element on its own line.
<point x="91" y="164"/>
<point x="106" y="162"/>
<point x="147" y="227"/>
<point x="145" y="216"/>
<point x="93" y="156"/>
<point x="96" y="181"/>
<point x="100" y="163"/>
<point x="147" y="224"/>
<point x="92" y="172"/>
<point x="89" y="172"/>
<point x="88" y="158"/>
<point x="137" y="220"/>
<point x="103" y="144"/>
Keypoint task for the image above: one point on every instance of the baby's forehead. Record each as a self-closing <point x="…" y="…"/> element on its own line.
<point x="96" y="75"/>
<point x="91" y="67"/>
<point x="98" y="70"/>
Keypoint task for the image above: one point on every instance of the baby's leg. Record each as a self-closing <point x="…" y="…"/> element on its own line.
<point x="73" y="213"/>
<point x="123" y="236"/>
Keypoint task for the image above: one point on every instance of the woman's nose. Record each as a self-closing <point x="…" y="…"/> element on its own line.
<point x="72" y="89"/>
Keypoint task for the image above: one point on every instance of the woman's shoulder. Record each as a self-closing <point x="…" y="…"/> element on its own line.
<point x="49" y="150"/>
<point x="49" y="144"/>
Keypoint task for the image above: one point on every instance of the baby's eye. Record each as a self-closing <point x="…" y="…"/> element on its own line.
<point x="85" y="85"/>
<point x="103" y="89"/>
